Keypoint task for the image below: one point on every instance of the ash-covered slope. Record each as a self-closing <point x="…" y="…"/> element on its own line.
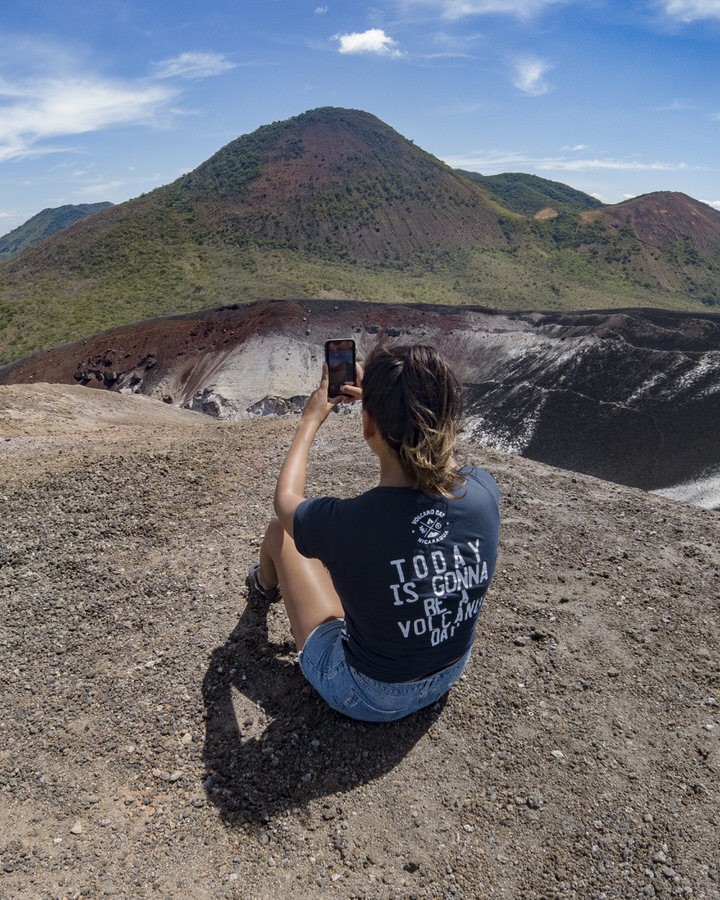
<point x="159" y="739"/>
<point x="632" y="396"/>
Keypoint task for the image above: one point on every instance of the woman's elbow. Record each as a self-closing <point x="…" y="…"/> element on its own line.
<point x="285" y="505"/>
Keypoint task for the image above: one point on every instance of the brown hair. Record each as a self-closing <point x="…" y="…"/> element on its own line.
<point x="416" y="402"/>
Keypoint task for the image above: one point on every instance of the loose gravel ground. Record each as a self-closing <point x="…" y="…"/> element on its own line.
<point x="158" y="738"/>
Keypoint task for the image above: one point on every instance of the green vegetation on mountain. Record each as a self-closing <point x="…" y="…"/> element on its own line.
<point x="45" y="224"/>
<point x="529" y="194"/>
<point x="334" y="202"/>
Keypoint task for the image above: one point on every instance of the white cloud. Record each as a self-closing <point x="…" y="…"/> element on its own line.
<point x="100" y="190"/>
<point x="372" y="41"/>
<point x="714" y="203"/>
<point x="193" y="65"/>
<point x="461" y="9"/>
<point x="616" y="165"/>
<point x="692" y="10"/>
<point x="39" y="110"/>
<point x="529" y="76"/>
<point x="321" y="10"/>
<point x="675" y="106"/>
<point x="574" y="148"/>
<point x="500" y="161"/>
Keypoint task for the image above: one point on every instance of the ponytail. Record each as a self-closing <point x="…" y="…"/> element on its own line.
<point x="416" y="402"/>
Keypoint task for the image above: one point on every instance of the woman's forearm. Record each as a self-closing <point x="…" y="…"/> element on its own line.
<point x="290" y="487"/>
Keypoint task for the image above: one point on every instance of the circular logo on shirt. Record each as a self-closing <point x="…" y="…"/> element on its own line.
<point x="430" y="526"/>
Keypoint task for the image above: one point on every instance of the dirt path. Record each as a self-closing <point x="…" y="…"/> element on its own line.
<point x="155" y="743"/>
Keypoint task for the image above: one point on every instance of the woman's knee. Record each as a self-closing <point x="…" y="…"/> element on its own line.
<point x="274" y="537"/>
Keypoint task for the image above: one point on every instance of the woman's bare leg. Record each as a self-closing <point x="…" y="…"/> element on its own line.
<point x="307" y="589"/>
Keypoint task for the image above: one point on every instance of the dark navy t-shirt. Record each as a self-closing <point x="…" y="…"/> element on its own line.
<point x="410" y="569"/>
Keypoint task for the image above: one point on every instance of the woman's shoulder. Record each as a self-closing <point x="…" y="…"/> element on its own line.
<point x="476" y="475"/>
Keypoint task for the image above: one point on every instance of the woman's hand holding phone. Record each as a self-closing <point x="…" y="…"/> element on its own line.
<point x="318" y="405"/>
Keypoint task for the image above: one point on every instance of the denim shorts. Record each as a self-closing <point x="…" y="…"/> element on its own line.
<point x="358" y="696"/>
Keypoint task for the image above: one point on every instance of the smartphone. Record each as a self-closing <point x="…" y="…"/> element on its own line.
<point x="340" y="359"/>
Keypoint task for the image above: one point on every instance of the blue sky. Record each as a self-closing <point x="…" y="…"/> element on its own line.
<point x="108" y="99"/>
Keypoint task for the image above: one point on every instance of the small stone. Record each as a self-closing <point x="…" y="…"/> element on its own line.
<point x="186" y="738"/>
<point x="77" y="828"/>
<point x="558" y="754"/>
<point x="411" y="866"/>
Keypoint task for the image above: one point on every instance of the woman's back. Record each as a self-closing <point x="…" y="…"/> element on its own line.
<point x="410" y="569"/>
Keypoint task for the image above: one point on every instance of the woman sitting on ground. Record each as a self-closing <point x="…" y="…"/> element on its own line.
<point x="383" y="590"/>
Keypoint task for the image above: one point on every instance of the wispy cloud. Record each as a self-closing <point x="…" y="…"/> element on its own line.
<point x="500" y="161"/>
<point x="574" y="148"/>
<point x="692" y="10"/>
<point x="321" y="10"/>
<point x="101" y="189"/>
<point x="529" y="75"/>
<point x="676" y="106"/>
<point x="372" y="41"/>
<point x="714" y="203"/>
<point x="193" y="65"/>
<point x="461" y="9"/>
<point x="57" y="100"/>
<point x="38" y="110"/>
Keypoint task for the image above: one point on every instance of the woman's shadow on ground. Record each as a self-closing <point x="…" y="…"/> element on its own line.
<point x="271" y="743"/>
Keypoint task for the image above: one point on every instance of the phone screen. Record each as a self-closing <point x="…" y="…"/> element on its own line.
<point x="340" y="358"/>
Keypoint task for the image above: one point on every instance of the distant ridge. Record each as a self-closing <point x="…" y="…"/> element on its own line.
<point x="530" y="195"/>
<point x="665" y="220"/>
<point x="45" y="224"/>
<point x="336" y="203"/>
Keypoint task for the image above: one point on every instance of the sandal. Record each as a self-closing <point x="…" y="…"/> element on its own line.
<point x="270" y="595"/>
